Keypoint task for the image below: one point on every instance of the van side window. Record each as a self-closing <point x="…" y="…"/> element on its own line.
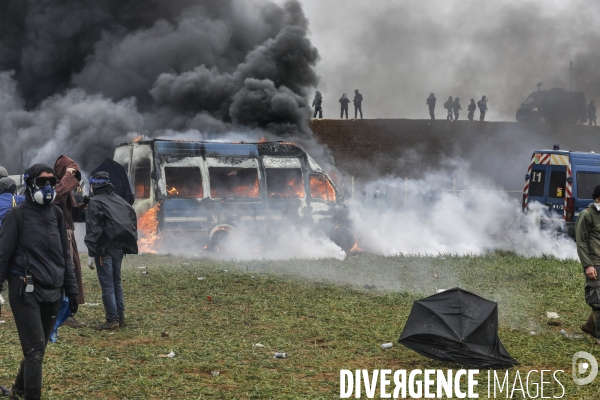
<point x="536" y="183"/>
<point x="284" y="183"/>
<point x="321" y="188"/>
<point x="183" y="182"/>
<point x="557" y="184"/>
<point x="228" y="182"/>
<point x="142" y="180"/>
<point x="586" y="181"/>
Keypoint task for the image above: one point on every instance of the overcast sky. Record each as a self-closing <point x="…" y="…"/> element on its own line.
<point x="397" y="52"/>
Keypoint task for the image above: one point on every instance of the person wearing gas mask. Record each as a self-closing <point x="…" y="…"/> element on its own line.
<point x="587" y="235"/>
<point x="8" y="198"/>
<point x="69" y="180"/>
<point x="110" y="232"/>
<point x="35" y="259"/>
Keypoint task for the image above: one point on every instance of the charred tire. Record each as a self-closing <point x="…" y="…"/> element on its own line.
<point x="220" y="241"/>
<point x="343" y="237"/>
<point x="220" y="237"/>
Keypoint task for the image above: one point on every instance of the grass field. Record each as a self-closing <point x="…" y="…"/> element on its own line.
<point x="318" y="311"/>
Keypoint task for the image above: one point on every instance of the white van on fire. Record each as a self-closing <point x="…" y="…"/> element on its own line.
<point x="203" y="191"/>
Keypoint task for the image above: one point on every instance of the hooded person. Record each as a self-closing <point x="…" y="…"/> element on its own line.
<point x="3" y="172"/>
<point x="110" y="232"/>
<point x="35" y="259"/>
<point x="8" y="198"/>
<point x="69" y="178"/>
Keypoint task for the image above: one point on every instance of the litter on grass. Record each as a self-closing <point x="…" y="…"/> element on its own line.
<point x="258" y="345"/>
<point x="386" y="346"/>
<point x="280" y="355"/>
<point x="201" y="278"/>
<point x="215" y="373"/>
<point x="91" y="304"/>
<point x="170" y="355"/>
<point x="551" y="315"/>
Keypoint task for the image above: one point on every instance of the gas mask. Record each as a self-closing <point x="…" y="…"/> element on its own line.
<point x="43" y="190"/>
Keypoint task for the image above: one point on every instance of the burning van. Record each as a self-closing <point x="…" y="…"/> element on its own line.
<point x="200" y="193"/>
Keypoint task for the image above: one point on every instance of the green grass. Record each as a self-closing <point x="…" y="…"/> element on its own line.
<point x="315" y="310"/>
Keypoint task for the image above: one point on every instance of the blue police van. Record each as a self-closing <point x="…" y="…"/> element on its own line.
<point x="563" y="181"/>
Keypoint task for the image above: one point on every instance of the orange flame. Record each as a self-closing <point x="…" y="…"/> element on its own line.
<point x="173" y="191"/>
<point x="250" y="191"/>
<point x="262" y="140"/>
<point x="148" y="227"/>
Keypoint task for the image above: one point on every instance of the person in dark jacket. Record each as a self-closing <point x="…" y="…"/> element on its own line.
<point x="3" y="172"/>
<point x="472" y="107"/>
<point x="317" y="104"/>
<point x="358" y="99"/>
<point x="344" y="101"/>
<point x="110" y="232"/>
<point x="67" y="171"/>
<point x="448" y="106"/>
<point x="456" y="108"/>
<point x="35" y="259"/>
<point x="8" y="198"/>
<point x="482" y="104"/>
<point x="591" y="111"/>
<point x="431" y="103"/>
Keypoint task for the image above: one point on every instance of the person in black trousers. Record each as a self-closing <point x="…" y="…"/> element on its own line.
<point x="35" y="259"/>
<point x="344" y="101"/>
<point x="358" y="99"/>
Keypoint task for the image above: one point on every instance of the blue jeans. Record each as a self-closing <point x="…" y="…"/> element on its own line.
<point x="109" y="275"/>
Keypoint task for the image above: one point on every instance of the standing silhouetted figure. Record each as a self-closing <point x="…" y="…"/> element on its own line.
<point x="317" y="105"/>
<point x="456" y="108"/>
<point x="591" y="111"/>
<point x="357" y="103"/>
<point x="344" y="101"/>
<point x="482" y="104"/>
<point x="431" y="103"/>
<point x="448" y="106"/>
<point x="472" y="107"/>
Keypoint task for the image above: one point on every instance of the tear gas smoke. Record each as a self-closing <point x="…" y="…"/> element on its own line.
<point x="396" y="53"/>
<point x="79" y="79"/>
<point x="452" y="212"/>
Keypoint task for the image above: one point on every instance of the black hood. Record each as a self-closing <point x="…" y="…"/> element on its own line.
<point x="35" y="170"/>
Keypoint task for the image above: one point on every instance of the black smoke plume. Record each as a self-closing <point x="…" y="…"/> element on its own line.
<point x="78" y="77"/>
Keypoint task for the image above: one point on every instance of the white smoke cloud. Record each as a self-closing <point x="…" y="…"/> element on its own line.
<point x="451" y="213"/>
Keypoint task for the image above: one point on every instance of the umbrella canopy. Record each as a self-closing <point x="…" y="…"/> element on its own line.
<point x="457" y="326"/>
<point x="118" y="178"/>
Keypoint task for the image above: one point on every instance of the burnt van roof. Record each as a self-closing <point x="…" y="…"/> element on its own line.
<point x="219" y="149"/>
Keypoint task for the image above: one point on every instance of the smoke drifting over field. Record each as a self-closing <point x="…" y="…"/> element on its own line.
<point x="79" y="77"/>
<point x="396" y="53"/>
<point x="433" y="216"/>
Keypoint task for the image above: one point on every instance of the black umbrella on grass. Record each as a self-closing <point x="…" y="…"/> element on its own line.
<point x="458" y="326"/>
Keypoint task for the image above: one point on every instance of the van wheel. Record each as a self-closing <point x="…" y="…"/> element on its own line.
<point x="221" y="241"/>
<point x="343" y="237"/>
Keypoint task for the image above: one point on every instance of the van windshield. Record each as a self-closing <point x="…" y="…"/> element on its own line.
<point x="285" y="183"/>
<point x="227" y="182"/>
<point x="586" y="181"/>
<point x="183" y="182"/>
